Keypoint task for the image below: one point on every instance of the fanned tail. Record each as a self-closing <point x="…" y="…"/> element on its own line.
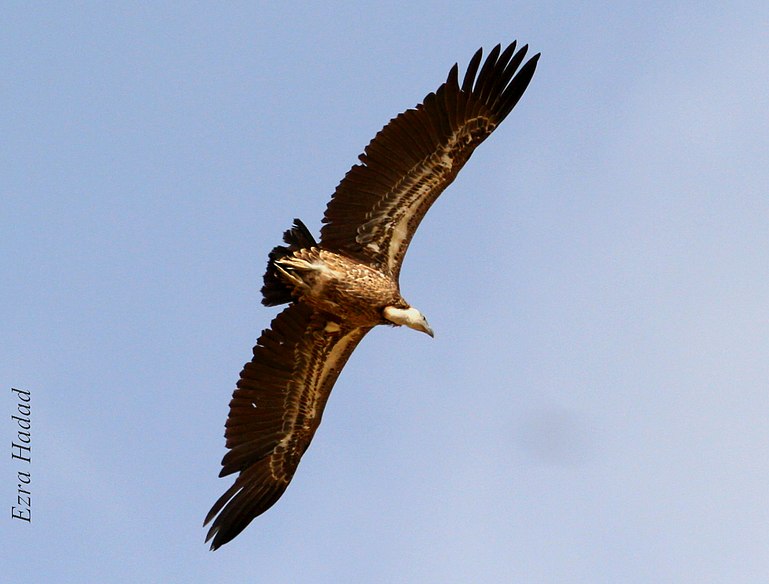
<point x="275" y="291"/>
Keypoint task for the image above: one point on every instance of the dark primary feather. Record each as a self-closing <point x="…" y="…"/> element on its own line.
<point x="379" y="204"/>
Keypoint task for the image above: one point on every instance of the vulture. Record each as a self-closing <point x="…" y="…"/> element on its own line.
<point x="339" y="288"/>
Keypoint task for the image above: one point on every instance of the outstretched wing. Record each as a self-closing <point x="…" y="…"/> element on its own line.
<point x="379" y="204"/>
<point x="275" y="411"/>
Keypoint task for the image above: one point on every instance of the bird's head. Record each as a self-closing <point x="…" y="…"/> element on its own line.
<point x="410" y="317"/>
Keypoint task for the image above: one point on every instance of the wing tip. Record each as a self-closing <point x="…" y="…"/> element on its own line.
<point x="249" y="496"/>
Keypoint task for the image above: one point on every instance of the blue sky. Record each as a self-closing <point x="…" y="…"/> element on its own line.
<point x="593" y="407"/>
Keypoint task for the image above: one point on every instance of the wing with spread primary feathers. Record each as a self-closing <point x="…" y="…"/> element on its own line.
<point x="379" y="204"/>
<point x="275" y="412"/>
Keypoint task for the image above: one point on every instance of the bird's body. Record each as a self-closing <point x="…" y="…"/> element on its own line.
<point x="329" y="282"/>
<point x="338" y="289"/>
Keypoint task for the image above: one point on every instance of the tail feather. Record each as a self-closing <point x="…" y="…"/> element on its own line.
<point x="275" y="291"/>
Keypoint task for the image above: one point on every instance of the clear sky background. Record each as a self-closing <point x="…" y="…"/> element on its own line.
<point x="595" y="405"/>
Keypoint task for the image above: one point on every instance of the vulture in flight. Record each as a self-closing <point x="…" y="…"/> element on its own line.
<point x="341" y="287"/>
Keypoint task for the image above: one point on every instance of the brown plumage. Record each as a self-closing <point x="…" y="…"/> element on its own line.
<point x="340" y="288"/>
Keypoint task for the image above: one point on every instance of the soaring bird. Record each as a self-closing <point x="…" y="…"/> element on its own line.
<point x="338" y="289"/>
